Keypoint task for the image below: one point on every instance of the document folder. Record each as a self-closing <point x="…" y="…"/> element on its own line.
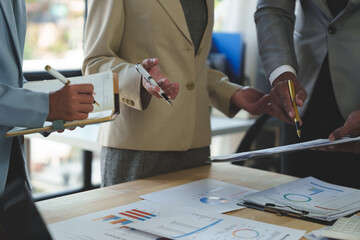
<point x="308" y="199"/>
<point x="107" y="94"/>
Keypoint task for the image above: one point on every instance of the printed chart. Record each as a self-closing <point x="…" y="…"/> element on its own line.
<point x="109" y="224"/>
<point x="207" y="194"/>
<point x="191" y="224"/>
<point x="310" y="196"/>
<point x="145" y="220"/>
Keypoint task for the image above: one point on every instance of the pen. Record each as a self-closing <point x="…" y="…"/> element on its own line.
<point x="148" y="77"/>
<point x="53" y="72"/>
<point x="292" y="96"/>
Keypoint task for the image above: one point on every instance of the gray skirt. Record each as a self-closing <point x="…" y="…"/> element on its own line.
<point x="121" y="165"/>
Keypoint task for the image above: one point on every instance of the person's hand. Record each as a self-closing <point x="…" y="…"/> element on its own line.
<point x="252" y="100"/>
<point x="351" y="127"/>
<point x="170" y="89"/>
<point x="70" y="103"/>
<point x="280" y="97"/>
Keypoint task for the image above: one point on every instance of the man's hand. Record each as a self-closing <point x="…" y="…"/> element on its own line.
<point x="70" y="103"/>
<point x="351" y="127"/>
<point x="170" y="89"/>
<point x="252" y="100"/>
<point x="280" y="97"/>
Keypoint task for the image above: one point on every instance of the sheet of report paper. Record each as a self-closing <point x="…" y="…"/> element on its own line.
<point x="282" y="149"/>
<point x="109" y="224"/>
<point x="153" y="220"/>
<point x="192" y="224"/>
<point x="206" y="194"/>
<point x="322" y="200"/>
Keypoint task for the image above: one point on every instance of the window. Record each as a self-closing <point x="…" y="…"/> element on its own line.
<point x="55" y="37"/>
<point x="54" y="34"/>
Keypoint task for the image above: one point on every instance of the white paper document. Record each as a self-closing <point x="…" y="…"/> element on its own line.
<point x="207" y="194"/>
<point x="152" y="220"/>
<point x="193" y="224"/>
<point x="319" y="200"/>
<point x="102" y="82"/>
<point x="109" y="224"/>
<point x="282" y="149"/>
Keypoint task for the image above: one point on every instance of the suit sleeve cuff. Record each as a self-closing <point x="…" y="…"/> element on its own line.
<point x="280" y="70"/>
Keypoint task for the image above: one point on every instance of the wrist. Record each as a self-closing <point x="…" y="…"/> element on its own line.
<point x="284" y="77"/>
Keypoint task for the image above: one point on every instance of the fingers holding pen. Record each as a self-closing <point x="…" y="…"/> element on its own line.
<point x="170" y="89"/>
<point x="281" y="102"/>
<point x="151" y="88"/>
<point x="72" y="102"/>
<point x="282" y="98"/>
<point x="155" y="81"/>
<point x="148" y="63"/>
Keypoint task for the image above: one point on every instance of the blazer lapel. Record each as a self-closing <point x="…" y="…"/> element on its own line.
<point x="8" y="11"/>
<point x="172" y="8"/>
<point x="324" y="8"/>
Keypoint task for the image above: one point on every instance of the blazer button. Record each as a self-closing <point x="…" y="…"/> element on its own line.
<point x="331" y="30"/>
<point x="190" y="86"/>
<point x="131" y="103"/>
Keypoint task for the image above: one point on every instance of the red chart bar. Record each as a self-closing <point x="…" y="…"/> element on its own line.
<point x="148" y="214"/>
<point x="136" y="214"/>
<point x="132" y="216"/>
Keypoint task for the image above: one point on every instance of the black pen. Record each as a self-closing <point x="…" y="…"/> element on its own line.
<point x="149" y="78"/>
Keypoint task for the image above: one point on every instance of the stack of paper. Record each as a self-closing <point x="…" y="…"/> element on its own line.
<point x="308" y="198"/>
<point x="152" y="220"/>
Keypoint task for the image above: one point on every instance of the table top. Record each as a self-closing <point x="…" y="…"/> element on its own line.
<point x="86" y="137"/>
<point x="66" y="207"/>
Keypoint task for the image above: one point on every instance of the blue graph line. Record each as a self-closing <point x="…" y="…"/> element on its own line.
<point x="315" y="191"/>
<point x="333" y="189"/>
<point x="200" y="229"/>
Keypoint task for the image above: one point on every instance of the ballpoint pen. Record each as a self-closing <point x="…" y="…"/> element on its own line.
<point x="148" y="78"/>
<point x="53" y="72"/>
<point x="292" y="96"/>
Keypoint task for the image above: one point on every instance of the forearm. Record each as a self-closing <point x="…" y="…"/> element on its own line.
<point x="221" y="91"/>
<point x="275" y="26"/>
<point x="22" y="107"/>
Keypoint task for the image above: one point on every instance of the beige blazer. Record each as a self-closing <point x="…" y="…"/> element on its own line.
<point x="120" y="33"/>
<point x="304" y="41"/>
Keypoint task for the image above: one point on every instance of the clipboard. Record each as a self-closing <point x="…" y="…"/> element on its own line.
<point x="309" y="199"/>
<point x="281" y="211"/>
<point x="107" y="94"/>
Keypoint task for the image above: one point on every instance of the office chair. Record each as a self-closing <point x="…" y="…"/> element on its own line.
<point x="227" y="54"/>
<point x="248" y="143"/>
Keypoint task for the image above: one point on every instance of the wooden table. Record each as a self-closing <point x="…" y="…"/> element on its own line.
<point x="62" y="208"/>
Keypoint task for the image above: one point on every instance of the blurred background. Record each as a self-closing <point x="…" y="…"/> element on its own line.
<point x="55" y="37"/>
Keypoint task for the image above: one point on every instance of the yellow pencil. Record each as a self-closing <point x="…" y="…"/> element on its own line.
<point x="292" y="96"/>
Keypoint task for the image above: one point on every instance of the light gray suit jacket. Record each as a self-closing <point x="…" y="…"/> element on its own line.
<point x="18" y="107"/>
<point x="304" y="41"/>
